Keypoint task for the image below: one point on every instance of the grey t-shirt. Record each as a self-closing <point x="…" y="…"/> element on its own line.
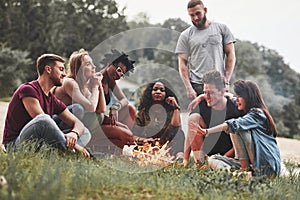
<point x="205" y="49"/>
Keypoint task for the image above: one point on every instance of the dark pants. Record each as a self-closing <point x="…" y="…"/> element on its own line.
<point x="198" y="88"/>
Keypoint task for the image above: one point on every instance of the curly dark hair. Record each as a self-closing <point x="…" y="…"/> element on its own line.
<point x="116" y="57"/>
<point x="146" y="100"/>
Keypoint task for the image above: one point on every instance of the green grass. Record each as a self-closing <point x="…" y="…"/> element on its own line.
<point x="48" y="174"/>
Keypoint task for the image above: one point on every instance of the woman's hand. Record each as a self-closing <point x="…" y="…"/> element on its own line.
<point x="172" y="102"/>
<point x="85" y="152"/>
<point x="113" y="115"/>
<point x="82" y="150"/>
<point x="96" y="81"/>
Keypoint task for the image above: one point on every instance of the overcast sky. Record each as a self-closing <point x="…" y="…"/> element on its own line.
<point x="272" y="23"/>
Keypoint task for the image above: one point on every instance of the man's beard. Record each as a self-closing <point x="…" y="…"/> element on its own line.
<point x="202" y="23"/>
<point x="55" y="81"/>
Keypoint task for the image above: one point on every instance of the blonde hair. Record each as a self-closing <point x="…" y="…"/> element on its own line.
<point x="75" y="63"/>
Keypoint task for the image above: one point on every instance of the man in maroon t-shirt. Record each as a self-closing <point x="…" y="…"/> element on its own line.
<point x="30" y="111"/>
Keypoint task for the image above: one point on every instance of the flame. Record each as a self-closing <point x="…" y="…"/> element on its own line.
<point x="148" y="154"/>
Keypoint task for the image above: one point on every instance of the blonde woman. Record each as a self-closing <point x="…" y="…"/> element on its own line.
<point x="82" y="90"/>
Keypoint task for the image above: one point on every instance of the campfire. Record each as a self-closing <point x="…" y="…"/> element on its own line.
<point x="148" y="154"/>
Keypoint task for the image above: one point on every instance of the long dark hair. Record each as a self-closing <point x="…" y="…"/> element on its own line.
<point x="146" y="100"/>
<point x="253" y="97"/>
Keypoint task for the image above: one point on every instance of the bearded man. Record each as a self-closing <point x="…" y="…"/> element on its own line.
<point x="202" y="47"/>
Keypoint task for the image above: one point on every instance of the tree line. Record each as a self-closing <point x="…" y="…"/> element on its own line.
<point x="33" y="27"/>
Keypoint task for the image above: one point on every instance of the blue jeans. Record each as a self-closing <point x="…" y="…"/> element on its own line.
<point x="76" y="109"/>
<point x="243" y="145"/>
<point x="44" y="128"/>
<point x="91" y="120"/>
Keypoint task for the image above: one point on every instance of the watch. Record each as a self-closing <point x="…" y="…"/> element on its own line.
<point x="116" y="106"/>
<point x="176" y="107"/>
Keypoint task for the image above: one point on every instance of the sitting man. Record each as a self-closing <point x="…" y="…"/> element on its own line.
<point x="212" y="108"/>
<point x="30" y="111"/>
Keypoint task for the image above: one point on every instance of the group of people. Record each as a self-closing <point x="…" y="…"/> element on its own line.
<point x="67" y="111"/>
<point x="237" y="131"/>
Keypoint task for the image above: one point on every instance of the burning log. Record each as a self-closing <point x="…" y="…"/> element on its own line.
<point x="148" y="154"/>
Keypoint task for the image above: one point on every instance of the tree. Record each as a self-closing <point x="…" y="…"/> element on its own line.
<point x="58" y="26"/>
<point x="14" y="66"/>
<point x="175" y="24"/>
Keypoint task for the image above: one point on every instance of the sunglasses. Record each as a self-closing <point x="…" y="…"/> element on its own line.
<point x="119" y="71"/>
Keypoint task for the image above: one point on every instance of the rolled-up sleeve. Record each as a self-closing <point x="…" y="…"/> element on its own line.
<point x="253" y="119"/>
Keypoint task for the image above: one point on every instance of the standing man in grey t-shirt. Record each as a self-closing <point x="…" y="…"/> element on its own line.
<point x="202" y="47"/>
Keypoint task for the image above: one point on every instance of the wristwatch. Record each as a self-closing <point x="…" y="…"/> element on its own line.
<point x="116" y="106"/>
<point x="176" y="107"/>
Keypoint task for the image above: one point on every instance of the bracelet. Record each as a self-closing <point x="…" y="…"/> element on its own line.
<point x="75" y="133"/>
<point x="206" y="131"/>
<point x="176" y="108"/>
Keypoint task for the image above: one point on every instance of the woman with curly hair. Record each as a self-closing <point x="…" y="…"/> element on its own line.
<point x="158" y="116"/>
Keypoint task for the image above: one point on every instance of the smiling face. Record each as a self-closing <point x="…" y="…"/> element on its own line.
<point x="88" y="67"/>
<point x="158" y="92"/>
<point x="57" y="73"/>
<point x="241" y="103"/>
<point x="116" y="71"/>
<point x="198" y="15"/>
<point x="212" y="95"/>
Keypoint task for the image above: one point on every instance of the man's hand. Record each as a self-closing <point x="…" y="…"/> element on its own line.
<point x="197" y="129"/>
<point x="71" y="139"/>
<point x="195" y="102"/>
<point x="227" y="87"/>
<point x="191" y="94"/>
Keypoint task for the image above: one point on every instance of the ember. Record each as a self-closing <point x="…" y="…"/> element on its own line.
<point x="149" y="154"/>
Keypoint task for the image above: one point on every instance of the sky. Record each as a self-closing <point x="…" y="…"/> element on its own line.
<point x="274" y="24"/>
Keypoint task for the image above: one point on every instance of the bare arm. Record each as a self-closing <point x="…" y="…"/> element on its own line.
<point x="101" y="106"/>
<point x="184" y="74"/>
<point x="230" y="61"/>
<point x="89" y="102"/>
<point x="175" y="121"/>
<point x="195" y="102"/>
<point x="32" y="106"/>
<point x="72" y="121"/>
<point x="215" y="129"/>
<point x="120" y="96"/>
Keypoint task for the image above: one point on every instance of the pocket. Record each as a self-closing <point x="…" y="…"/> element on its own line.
<point x="214" y="39"/>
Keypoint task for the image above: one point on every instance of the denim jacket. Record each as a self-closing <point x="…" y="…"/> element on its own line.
<point x="267" y="155"/>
